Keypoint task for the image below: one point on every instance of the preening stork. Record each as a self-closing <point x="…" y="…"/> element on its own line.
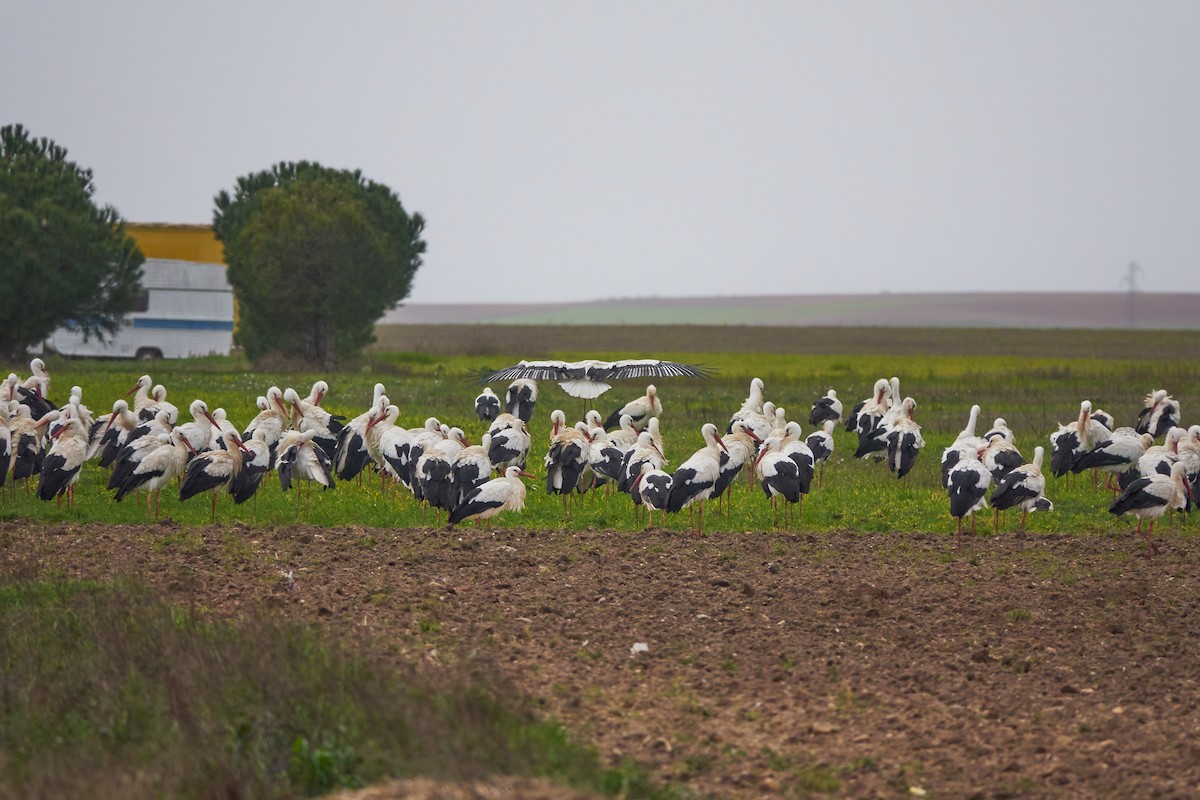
<point x="965" y="443"/>
<point x="590" y="379"/>
<point x="751" y="406"/>
<point x="213" y="471"/>
<point x="1120" y="452"/>
<point x="1161" y="413"/>
<point x="60" y="467"/>
<point x="904" y="439"/>
<point x="299" y="458"/>
<point x="501" y="494"/>
<point x="155" y="469"/>
<point x="638" y="410"/>
<point x="352" y="454"/>
<point x="1024" y="488"/>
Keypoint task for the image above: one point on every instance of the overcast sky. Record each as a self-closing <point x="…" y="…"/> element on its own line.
<point x="572" y="150"/>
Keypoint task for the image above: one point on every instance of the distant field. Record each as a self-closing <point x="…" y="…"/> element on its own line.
<point x="542" y="341"/>
<point x="978" y="310"/>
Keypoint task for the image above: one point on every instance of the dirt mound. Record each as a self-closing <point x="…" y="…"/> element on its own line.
<point x="499" y="788"/>
<point x="867" y="665"/>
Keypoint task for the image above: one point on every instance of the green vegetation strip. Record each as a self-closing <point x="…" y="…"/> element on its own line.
<point x="1033" y="394"/>
<point x="109" y="692"/>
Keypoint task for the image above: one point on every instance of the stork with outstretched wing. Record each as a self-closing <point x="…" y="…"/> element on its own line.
<point x="590" y="379"/>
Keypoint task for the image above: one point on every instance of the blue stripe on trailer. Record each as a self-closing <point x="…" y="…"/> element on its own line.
<point x="183" y="324"/>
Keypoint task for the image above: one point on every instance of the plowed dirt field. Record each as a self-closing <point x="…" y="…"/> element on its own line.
<point x="774" y="664"/>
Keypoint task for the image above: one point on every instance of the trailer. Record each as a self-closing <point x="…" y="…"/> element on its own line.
<point x="185" y="308"/>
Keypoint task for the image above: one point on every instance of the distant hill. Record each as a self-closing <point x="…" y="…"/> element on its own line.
<point x="986" y="310"/>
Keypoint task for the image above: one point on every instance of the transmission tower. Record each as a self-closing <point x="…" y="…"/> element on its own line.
<point x="1130" y="278"/>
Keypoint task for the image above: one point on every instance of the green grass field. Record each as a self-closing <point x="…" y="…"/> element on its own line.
<point x="1033" y="392"/>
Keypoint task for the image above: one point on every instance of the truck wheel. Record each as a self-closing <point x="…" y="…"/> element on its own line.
<point x="148" y="354"/>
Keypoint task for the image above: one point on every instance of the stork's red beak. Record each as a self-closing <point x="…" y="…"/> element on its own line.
<point x="721" y="442"/>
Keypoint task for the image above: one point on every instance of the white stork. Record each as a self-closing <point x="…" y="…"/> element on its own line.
<point x="1000" y="430"/>
<point x="872" y="408"/>
<point x="510" y="442"/>
<point x="821" y="444"/>
<point x="471" y="469"/>
<point x="116" y="429"/>
<point x="752" y="405"/>
<point x="60" y="467"/>
<point x="967" y="485"/>
<point x="828" y="408"/>
<point x="1151" y="497"/>
<point x="740" y="447"/>
<point x="1118" y="453"/>
<point x="904" y="439"/>
<point x="965" y="443"/>
<point x="639" y="409"/>
<point x="256" y="462"/>
<point x="692" y="483"/>
<point x="779" y="477"/>
<point x="487" y="405"/>
<point x="644" y="451"/>
<point x="651" y="487"/>
<point x="352" y="453"/>
<point x="589" y="379"/>
<point x="520" y="398"/>
<point x="199" y="432"/>
<point x="299" y="458"/>
<point x="213" y="471"/>
<point x="501" y="494"/>
<point x="155" y="469"/>
<point x="308" y="416"/>
<point x="434" y="472"/>
<point x="1024" y="488"/>
<point x="567" y="457"/>
<point x="1160" y="414"/>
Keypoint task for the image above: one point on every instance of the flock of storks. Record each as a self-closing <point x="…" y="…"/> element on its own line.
<point x="147" y="448"/>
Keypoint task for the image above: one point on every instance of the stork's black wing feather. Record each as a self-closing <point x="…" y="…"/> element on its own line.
<point x="535" y="370"/>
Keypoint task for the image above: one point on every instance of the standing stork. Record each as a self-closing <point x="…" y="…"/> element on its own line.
<point x="487" y="405"/>
<point x="308" y="416"/>
<point x="256" y="462"/>
<point x="821" y="444"/>
<point x="213" y="471"/>
<point x="471" y="469"/>
<point x="1024" y="488"/>
<point x="567" y="457"/>
<point x="155" y="469"/>
<point x="1151" y="497"/>
<point x="779" y="477"/>
<point x="1160" y="414"/>
<point x="300" y="458"/>
<point x="520" y="398"/>
<point x="651" y="487"/>
<point x="828" y="408"/>
<point x="904" y="439"/>
<point x="964" y="444"/>
<point x="60" y="467"/>
<point x="352" y="454"/>
<point x="967" y="485"/>
<point x="639" y="410"/>
<point x="692" y="483"/>
<point x="501" y="494"/>
<point x="752" y="405"/>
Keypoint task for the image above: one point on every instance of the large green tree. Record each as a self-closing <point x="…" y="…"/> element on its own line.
<point x="316" y="256"/>
<point x="63" y="259"/>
